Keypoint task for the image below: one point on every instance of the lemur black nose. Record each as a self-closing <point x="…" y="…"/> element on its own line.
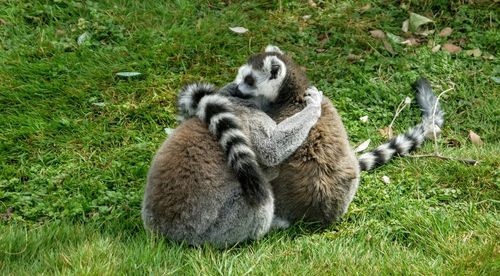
<point x="249" y="80"/>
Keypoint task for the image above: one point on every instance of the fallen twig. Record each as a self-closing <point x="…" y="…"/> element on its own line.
<point x="436" y="146"/>
<point x="439" y="156"/>
<point x="404" y="103"/>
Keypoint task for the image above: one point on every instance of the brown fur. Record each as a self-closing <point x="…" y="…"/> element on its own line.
<point x="318" y="181"/>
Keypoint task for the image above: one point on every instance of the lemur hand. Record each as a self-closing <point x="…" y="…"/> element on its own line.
<point x="313" y="96"/>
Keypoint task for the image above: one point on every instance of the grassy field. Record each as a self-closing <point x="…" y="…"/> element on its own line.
<point x="76" y="141"/>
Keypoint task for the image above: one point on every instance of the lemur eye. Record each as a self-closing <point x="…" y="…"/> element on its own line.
<point x="274" y="71"/>
<point x="249" y="80"/>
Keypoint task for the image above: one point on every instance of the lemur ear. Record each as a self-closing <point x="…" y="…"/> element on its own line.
<point x="272" y="48"/>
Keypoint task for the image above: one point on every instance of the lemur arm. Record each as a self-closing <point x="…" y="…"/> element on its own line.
<point x="273" y="143"/>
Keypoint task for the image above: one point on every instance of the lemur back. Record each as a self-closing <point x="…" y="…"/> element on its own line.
<point x="200" y="192"/>
<point x="318" y="182"/>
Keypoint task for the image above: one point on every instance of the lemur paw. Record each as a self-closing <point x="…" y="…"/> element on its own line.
<point x="313" y="96"/>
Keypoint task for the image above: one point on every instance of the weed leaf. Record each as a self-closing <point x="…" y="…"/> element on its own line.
<point x="395" y="38"/>
<point x="82" y="38"/>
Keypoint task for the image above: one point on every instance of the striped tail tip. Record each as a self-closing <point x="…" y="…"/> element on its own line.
<point x="190" y="97"/>
<point x="428" y="102"/>
<point x="218" y="113"/>
<point x="253" y="184"/>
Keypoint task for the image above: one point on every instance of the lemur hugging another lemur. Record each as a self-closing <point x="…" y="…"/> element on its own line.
<point x="193" y="195"/>
<point x="209" y="181"/>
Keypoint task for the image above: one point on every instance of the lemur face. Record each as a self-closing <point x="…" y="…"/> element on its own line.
<point x="262" y="75"/>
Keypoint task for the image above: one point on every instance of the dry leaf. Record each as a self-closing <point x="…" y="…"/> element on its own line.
<point x="127" y="75"/>
<point x="386" y="179"/>
<point x="411" y="42"/>
<point x="365" y="7"/>
<point x="323" y="38"/>
<point x="388" y="47"/>
<point x="378" y="34"/>
<point x="417" y="20"/>
<point x="488" y="56"/>
<point x="445" y="32"/>
<point x="429" y="133"/>
<point x="425" y="33"/>
<point x="60" y="32"/>
<point x="475" y="139"/>
<point x="239" y="30"/>
<point x="168" y="130"/>
<point x="306" y="17"/>
<point x="99" y="104"/>
<point x="352" y="57"/>
<point x="364" y="119"/>
<point x="386" y="132"/>
<point x="406" y="26"/>
<point x="475" y="52"/>
<point x="311" y="3"/>
<point x="436" y="48"/>
<point x="451" y="48"/>
<point x="8" y="214"/>
<point x="363" y="146"/>
<point x="3" y="22"/>
<point x="453" y="143"/>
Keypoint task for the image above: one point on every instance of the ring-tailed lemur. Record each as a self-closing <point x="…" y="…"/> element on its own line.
<point x="318" y="182"/>
<point x="192" y="195"/>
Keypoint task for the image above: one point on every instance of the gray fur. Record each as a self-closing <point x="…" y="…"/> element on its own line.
<point x="192" y="195"/>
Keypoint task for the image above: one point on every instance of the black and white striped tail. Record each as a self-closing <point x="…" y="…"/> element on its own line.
<point x="217" y="112"/>
<point x="189" y="98"/>
<point x="432" y="120"/>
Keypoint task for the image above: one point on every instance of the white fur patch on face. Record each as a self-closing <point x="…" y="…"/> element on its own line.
<point x="272" y="48"/>
<point x="267" y="80"/>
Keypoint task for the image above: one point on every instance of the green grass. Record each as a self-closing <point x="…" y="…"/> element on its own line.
<point x="76" y="142"/>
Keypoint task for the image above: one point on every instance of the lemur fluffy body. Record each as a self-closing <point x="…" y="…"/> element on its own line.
<point x="200" y="192"/>
<point x="318" y="182"/>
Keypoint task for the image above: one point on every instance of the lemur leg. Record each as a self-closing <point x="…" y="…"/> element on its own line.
<point x="279" y="223"/>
